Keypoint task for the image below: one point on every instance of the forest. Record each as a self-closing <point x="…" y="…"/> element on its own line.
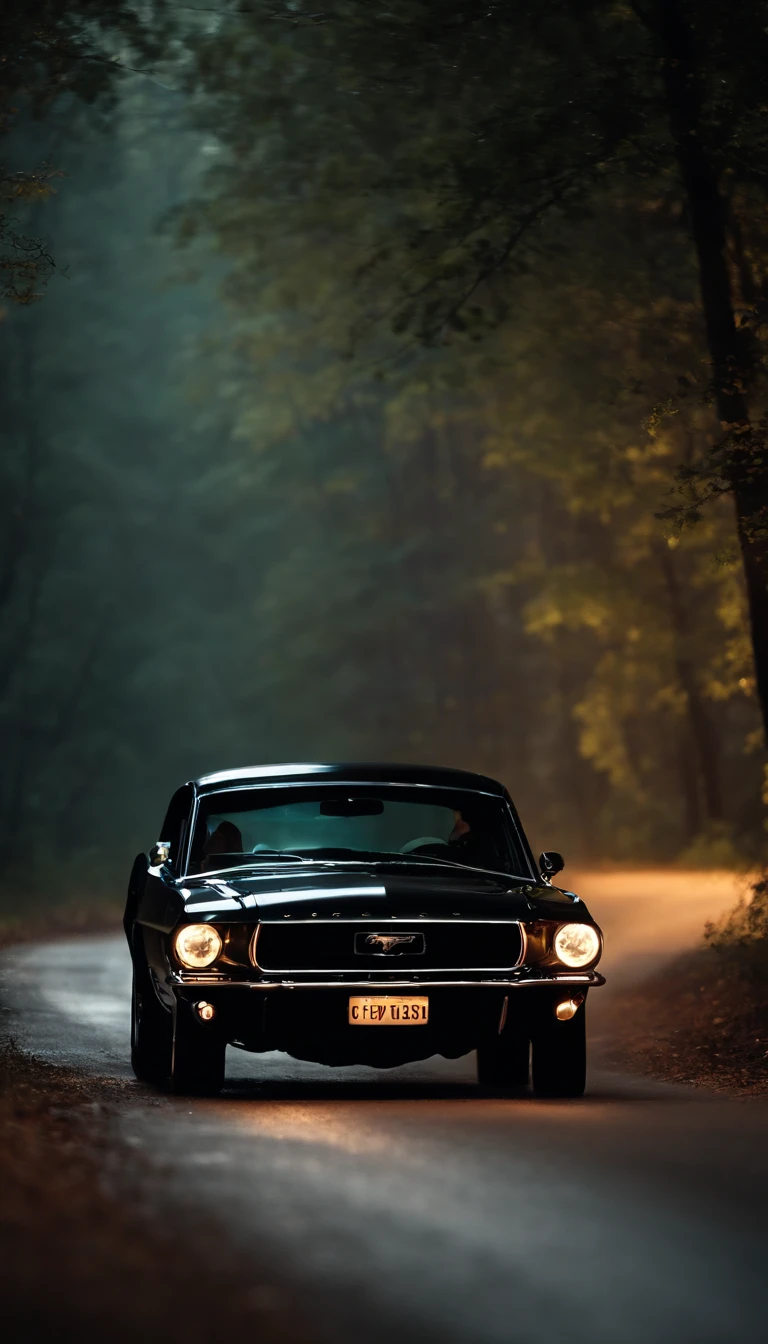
<point x="385" y="383"/>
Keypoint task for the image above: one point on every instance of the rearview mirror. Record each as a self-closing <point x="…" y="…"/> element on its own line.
<point x="351" y="807"/>
<point x="160" y="853"/>
<point x="550" y="862"/>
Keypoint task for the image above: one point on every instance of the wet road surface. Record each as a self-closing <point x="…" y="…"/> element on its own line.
<point x="403" y="1205"/>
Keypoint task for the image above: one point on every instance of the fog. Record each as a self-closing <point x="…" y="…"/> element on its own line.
<point x="228" y="539"/>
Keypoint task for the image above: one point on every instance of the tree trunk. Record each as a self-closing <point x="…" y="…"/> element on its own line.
<point x="702" y="741"/>
<point x="689" y="787"/>
<point x="729" y="346"/>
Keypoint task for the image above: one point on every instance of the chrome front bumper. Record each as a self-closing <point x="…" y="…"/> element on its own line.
<point x="518" y="980"/>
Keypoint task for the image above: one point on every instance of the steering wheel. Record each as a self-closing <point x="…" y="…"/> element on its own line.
<point x="422" y="842"/>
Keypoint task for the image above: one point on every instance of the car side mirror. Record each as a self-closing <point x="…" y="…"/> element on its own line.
<point x="550" y="862"/>
<point x="160" y="853"/>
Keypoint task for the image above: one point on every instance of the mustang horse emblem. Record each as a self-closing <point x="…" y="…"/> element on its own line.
<point x="385" y="944"/>
<point x="387" y="941"/>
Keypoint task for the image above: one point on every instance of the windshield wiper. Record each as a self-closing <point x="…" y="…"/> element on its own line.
<point x="424" y="858"/>
<point x="276" y="854"/>
<point x="254" y="862"/>
<point x="451" y="863"/>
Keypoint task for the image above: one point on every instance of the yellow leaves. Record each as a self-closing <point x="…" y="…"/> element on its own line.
<point x="494" y="461"/>
<point x="601" y="739"/>
<point x="551" y="609"/>
<point x="655" y="449"/>
<point x="30" y="186"/>
<point x="731" y="609"/>
<point x="583" y="597"/>
<point x="623" y="690"/>
<point x="496" y="583"/>
<point x="754" y="742"/>
<point x="669" y="694"/>
<point x="341" y="485"/>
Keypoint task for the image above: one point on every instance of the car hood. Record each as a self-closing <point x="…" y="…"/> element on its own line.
<point x="303" y="891"/>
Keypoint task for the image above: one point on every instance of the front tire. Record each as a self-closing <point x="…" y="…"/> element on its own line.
<point x="151" y="1032"/>
<point x="504" y="1061"/>
<point x="560" y="1057"/>
<point x="198" y="1056"/>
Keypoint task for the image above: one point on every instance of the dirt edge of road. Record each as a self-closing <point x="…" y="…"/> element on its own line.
<point x="702" y="1020"/>
<point x="64" y="919"/>
<point x="109" y="1268"/>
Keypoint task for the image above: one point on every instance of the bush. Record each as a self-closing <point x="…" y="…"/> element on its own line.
<point x="741" y="936"/>
<point x="745" y="925"/>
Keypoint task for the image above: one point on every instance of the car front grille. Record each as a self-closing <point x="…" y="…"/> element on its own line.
<point x="343" y="946"/>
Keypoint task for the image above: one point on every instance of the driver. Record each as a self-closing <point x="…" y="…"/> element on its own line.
<point x="471" y="845"/>
<point x="467" y="843"/>
<point x="461" y="828"/>
<point x="226" y="839"/>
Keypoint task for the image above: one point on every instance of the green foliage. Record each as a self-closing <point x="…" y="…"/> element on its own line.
<point x="715" y="848"/>
<point x="413" y="171"/>
<point x="54" y="50"/>
<point x="391" y="494"/>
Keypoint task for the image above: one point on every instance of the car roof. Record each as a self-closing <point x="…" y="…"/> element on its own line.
<point x="350" y="772"/>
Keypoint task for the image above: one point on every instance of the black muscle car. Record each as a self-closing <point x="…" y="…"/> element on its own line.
<point x="355" y="914"/>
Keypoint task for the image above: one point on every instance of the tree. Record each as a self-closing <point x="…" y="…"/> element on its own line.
<point x="53" y="50"/>
<point x="585" y="340"/>
<point x="480" y="134"/>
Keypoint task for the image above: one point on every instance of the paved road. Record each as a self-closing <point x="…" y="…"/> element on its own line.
<point x="402" y="1205"/>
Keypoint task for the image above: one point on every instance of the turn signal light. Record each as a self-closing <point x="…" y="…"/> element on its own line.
<point x="568" y="1008"/>
<point x="205" y="1011"/>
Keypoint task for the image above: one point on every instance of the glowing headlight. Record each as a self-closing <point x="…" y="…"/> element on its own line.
<point x="576" y="944"/>
<point x="197" y="945"/>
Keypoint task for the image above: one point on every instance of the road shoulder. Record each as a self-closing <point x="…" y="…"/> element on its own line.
<point x="110" y="1267"/>
<point x="701" y="1020"/>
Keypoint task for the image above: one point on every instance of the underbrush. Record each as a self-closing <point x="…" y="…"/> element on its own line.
<point x="38" y="900"/>
<point x="745" y="928"/>
<point x="704" y="1018"/>
<point x="23" y="921"/>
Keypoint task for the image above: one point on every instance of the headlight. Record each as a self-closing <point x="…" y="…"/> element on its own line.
<point x="576" y="944"/>
<point x="197" y="945"/>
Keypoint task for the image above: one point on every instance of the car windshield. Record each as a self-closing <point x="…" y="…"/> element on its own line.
<point x="383" y="823"/>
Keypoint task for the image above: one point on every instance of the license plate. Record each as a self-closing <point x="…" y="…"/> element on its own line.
<point x="388" y="1010"/>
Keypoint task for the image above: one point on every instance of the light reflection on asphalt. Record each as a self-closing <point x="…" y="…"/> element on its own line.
<point x="403" y="1204"/>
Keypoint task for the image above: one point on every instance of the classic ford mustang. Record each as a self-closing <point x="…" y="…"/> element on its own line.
<point x="355" y="914"/>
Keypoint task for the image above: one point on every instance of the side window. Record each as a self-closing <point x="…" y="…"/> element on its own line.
<point x="176" y="819"/>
